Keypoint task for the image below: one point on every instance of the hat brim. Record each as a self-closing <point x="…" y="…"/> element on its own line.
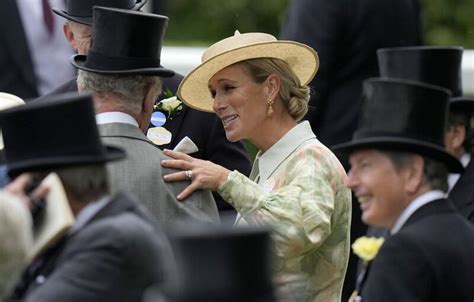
<point x="44" y="163"/>
<point x="88" y="20"/>
<point x="79" y="61"/>
<point x="194" y="92"/>
<point x="461" y="104"/>
<point x="401" y="144"/>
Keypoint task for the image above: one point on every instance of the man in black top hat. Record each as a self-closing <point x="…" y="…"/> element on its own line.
<point x="441" y="66"/>
<point x="124" y="77"/>
<point x="209" y="136"/>
<point x="114" y="250"/>
<point x="399" y="172"/>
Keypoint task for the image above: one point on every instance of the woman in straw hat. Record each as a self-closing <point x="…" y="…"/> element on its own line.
<point x="257" y="86"/>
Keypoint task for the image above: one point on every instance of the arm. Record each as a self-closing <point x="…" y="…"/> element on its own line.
<point x="300" y="210"/>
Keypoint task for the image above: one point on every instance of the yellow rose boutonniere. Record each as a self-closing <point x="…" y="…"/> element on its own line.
<point x="367" y="247"/>
<point x="171" y="105"/>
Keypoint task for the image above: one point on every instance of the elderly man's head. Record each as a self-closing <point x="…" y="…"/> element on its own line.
<point x="132" y="94"/>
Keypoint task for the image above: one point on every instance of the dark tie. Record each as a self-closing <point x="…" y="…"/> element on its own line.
<point x="48" y="17"/>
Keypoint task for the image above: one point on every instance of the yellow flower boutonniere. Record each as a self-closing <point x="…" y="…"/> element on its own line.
<point x="367" y="247"/>
<point x="171" y="105"/>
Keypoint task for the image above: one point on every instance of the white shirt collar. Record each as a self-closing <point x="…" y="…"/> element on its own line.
<point x="454" y="177"/>
<point x="415" y="205"/>
<point x="276" y="154"/>
<point x="87" y="213"/>
<point x="115" y="117"/>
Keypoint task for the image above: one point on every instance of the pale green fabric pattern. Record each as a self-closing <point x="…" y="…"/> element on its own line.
<point x="306" y="204"/>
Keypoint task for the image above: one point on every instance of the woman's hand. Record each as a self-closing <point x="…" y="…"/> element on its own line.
<point x="203" y="174"/>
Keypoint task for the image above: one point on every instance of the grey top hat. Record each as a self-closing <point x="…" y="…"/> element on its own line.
<point x="81" y="10"/>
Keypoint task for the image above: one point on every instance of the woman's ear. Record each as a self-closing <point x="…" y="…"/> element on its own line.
<point x="273" y="83"/>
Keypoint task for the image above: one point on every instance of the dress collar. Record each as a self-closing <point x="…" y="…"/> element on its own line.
<point x="269" y="161"/>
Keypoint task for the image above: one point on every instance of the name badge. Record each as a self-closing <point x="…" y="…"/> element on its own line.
<point x="268" y="185"/>
<point x="159" y="135"/>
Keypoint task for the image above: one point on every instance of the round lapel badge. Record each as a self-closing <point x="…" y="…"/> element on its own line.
<point x="158" y="119"/>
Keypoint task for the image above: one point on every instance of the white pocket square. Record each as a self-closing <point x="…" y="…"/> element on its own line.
<point x="186" y="145"/>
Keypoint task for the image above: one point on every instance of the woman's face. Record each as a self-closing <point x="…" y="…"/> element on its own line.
<point x="239" y="102"/>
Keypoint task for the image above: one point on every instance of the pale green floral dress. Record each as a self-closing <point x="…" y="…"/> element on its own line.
<point x="300" y="194"/>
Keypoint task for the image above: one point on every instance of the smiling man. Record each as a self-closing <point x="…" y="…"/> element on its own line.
<point x="399" y="171"/>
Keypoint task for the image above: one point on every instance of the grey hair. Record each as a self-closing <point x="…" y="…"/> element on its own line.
<point x="294" y="96"/>
<point x="435" y="173"/>
<point x="86" y="182"/>
<point x="16" y="237"/>
<point x="129" y="89"/>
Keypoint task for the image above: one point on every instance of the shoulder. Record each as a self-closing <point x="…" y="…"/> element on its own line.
<point x="313" y="154"/>
<point x="115" y="233"/>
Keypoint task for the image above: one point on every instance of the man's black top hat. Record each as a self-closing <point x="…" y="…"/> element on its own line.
<point x="403" y="115"/>
<point x="58" y="132"/>
<point x="81" y="10"/>
<point x="125" y="42"/>
<point x="435" y="65"/>
<point x="222" y="264"/>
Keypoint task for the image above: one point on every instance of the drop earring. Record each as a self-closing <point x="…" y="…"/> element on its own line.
<point x="270" y="107"/>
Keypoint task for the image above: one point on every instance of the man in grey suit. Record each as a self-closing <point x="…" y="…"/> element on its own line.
<point x="114" y="250"/>
<point x="125" y="81"/>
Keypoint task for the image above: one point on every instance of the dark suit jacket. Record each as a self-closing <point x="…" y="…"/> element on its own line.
<point x="346" y="35"/>
<point x="429" y="259"/>
<point x="462" y="193"/>
<point x="203" y="128"/>
<point x="114" y="257"/>
<point x="17" y="75"/>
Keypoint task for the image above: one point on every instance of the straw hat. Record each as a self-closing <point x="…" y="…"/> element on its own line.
<point x="7" y="101"/>
<point x="194" y="91"/>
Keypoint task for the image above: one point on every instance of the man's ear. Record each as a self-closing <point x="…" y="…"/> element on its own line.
<point x="414" y="174"/>
<point x="147" y="107"/>
<point x="69" y="34"/>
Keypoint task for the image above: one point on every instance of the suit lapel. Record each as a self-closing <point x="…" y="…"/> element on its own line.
<point x="12" y="29"/>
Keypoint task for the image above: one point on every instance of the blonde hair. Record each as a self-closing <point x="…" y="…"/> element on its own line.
<point x="294" y="96"/>
<point x="16" y="237"/>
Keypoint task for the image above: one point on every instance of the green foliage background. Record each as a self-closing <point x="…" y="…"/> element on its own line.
<point x="202" y="22"/>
